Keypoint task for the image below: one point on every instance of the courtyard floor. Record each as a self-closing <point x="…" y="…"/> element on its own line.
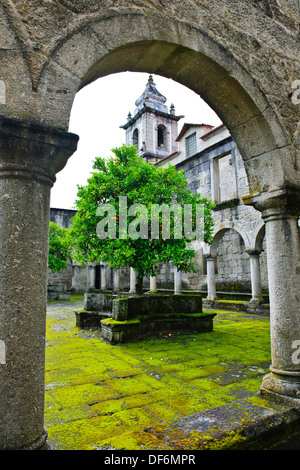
<point x="100" y="396"/>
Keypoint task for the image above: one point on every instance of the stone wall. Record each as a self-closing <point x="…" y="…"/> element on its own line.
<point x="250" y="47"/>
<point x="217" y="172"/>
<point x="61" y="278"/>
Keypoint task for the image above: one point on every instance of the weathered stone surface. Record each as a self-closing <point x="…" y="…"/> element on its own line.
<point x="240" y="57"/>
<point x="99" y="302"/>
<point x="120" y="310"/>
<point x="86" y="320"/>
<point x="136" y="306"/>
<point x="124" y="331"/>
<point x="243" y="425"/>
<point x="27" y="171"/>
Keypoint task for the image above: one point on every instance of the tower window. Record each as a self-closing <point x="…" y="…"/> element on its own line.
<point x="135" y="138"/>
<point x="161" y="136"/>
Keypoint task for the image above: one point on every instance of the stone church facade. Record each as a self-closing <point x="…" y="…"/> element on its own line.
<point x="213" y="167"/>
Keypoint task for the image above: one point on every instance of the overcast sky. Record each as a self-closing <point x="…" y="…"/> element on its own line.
<point x="98" y="112"/>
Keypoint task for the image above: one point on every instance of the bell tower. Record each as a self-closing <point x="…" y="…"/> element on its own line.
<point x="153" y="128"/>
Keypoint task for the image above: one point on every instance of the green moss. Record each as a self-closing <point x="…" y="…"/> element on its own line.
<point x="232" y="440"/>
<point x="76" y="297"/>
<point x="79" y="395"/>
<point x="233" y="288"/>
<point x="111" y="321"/>
<point x="133" y="440"/>
<point x="98" y="395"/>
<point x="129" y="386"/>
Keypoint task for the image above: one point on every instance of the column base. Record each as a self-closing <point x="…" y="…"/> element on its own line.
<point x="282" y="386"/>
<point x="257" y="301"/>
<point x="38" y="444"/>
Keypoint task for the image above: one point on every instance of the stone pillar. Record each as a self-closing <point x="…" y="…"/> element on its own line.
<point x="30" y="156"/>
<point x="153" y="285"/>
<point x="91" y="277"/>
<point x="116" y="280"/>
<point x="103" y="282"/>
<point x="133" y="279"/>
<point x="211" y="280"/>
<point x="280" y="210"/>
<point x="177" y="281"/>
<point x="255" y="276"/>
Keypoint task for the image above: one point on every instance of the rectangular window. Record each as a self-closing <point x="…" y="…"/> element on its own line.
<point x="191" y="145"/>
<point x="223" y="179"/>
<point x="226" y="179"/>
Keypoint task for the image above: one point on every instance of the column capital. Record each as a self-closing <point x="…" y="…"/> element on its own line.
<point x="253" y="252"/>
<point x="209" y="257"/>
<point x="33" y="150"/>
<point x="279" y="203"/>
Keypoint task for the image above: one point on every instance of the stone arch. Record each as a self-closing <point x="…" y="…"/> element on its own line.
<point x="173" y="49"/>
<point x="257" y="236"/>
<point x="211" y="255"/>
<point x="223" y="228"/>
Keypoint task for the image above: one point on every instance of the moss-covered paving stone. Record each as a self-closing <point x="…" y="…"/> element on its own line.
<point x="102" y="396"/>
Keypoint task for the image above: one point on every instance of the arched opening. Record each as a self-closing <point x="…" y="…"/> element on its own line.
<point x="232" y="267"/>
<point x="161" y="136"/>
<point x="135" y="138"/>
<point x="238" y="112"/>
<point x="232" y="264"/>
<point x="220" y="82"/>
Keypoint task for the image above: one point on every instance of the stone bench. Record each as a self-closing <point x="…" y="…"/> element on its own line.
<point x="96" y="307"/>
<point x="87" y="320"/>
<point x="100" y="302"/>
<point x="117" y="332"/>
<point x="147" y="315"/>
<point x="131" y="307"/>
<point x="57" y="292"/>
<point x="129" y="318"/>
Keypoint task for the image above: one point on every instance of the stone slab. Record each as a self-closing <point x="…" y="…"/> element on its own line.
<point x="238" y="306"/>
<point x="254" y="423"/>
<point x="135" y="306"/>
<point x="117" y="332"/>
<point x="100" y="302"/>
<point x="86" y="320"/>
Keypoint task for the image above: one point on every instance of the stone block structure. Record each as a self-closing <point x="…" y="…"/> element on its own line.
<point x="122" y="318"/>
<point x="241" y="57"/>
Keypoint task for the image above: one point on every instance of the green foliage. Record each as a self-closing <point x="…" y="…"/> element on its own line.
<point x="59" y="252"/>
<point x="126" y="174"/>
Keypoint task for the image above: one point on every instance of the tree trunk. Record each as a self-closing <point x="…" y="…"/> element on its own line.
<point x="139" y="285"/>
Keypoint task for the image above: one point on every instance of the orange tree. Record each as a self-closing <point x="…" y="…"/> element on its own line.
<point x="120" y="220"/>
